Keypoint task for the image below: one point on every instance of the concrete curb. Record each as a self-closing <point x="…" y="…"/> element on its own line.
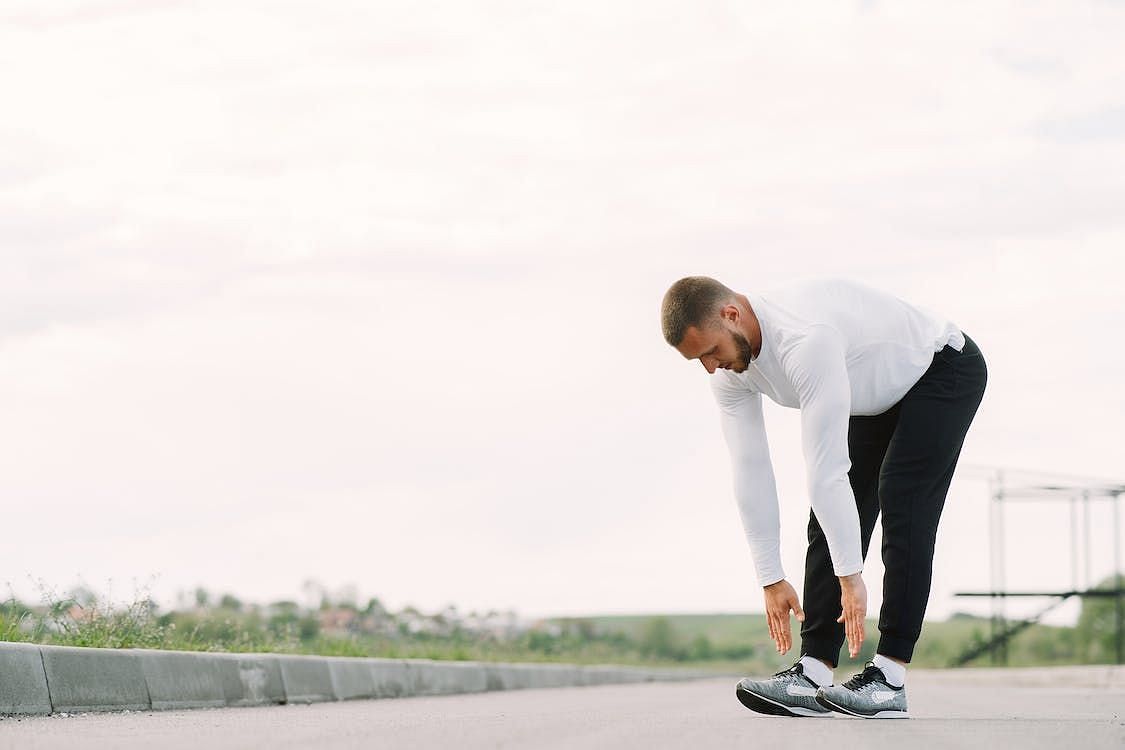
<point x="251" y="679"/>
<point x="23" y="685"/>
<point x="38" y="679"/>
<point x="94" y="679"/>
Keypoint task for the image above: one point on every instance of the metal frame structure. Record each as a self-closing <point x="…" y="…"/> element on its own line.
<point x="1011" y="485"/>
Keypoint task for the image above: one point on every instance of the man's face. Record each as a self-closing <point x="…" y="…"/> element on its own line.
<point x="717" y="347"/>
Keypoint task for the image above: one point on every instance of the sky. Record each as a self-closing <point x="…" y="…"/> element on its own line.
<point x="368" y="292"/>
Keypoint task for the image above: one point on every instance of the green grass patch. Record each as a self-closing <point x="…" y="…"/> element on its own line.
<point x="720" y="641"/>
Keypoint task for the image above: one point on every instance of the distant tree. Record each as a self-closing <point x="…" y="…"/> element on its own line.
<point x="542" y="642"/>
<point x="308" y="627"/>
<point x="201" y="597"/>
<point x="659" y="638"/>
<point x="284" y="616"/>
<point x="701" y="648"/>
<point x="581" y="628"/>
<point x="375" y="607"/>
<point x="229" y="601"/>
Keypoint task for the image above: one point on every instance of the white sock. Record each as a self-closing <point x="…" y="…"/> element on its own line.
<point x="817" y="671"/>
<point x="892" y="670"/>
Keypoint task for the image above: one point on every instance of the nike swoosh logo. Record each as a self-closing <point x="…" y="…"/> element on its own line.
<point x="882" y="696"/>
<point x="799" y="690"/>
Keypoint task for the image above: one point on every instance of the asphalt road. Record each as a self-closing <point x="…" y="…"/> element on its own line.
<point x="948" y="713"/>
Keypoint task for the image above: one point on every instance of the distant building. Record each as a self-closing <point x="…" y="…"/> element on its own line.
<point x="338" y="621"/>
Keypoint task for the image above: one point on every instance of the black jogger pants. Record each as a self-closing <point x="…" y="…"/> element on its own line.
<point x="902" y="465"/>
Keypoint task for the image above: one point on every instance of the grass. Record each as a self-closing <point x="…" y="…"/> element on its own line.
<point x="941" y="640"/>
<point x="726" y="642"/>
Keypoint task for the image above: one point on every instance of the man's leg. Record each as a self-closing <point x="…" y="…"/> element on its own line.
<point x="917" y="470"/>
<point x="821" y="636"/>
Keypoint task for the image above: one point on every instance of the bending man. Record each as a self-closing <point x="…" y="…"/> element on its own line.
<point x="886" y="391"/>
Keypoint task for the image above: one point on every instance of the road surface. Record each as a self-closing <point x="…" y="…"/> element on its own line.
<point x="948" y="713"/>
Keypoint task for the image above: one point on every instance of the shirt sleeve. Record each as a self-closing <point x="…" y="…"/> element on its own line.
<point x="816" y="367"/>
<point x="755" y="492"/>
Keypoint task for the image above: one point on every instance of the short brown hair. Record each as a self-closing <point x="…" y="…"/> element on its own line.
<point x="691" y="301"/>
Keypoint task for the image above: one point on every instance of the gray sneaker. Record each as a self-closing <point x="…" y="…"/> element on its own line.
<point x="867" y="695"/>
<point x="787" y="693"/>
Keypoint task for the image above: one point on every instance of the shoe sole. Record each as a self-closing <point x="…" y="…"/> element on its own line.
<point x="764" y="705"/>
<point x="849" y="712"/>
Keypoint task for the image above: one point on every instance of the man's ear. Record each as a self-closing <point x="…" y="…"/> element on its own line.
<point x="730" y="312"/>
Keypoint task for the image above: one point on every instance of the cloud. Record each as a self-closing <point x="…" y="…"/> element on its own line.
<point x="390" y="271"/>
<point x="1104" y="124"/>
<point x="56" y="14"/>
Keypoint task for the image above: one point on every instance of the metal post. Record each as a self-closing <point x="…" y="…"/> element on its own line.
<point x="1003" y="576"/>
<point x="993" y="484"/>
<point x="997" y="623"/>
<point x="1043" y="486"/>
<point x="1087" y="583"/>
<point x="1117" y="578"/>
<point x="1073" y="543"/>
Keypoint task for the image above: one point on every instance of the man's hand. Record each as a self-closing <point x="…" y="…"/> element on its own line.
<point x="853" y="602"/>
<point x="780" y="599"/>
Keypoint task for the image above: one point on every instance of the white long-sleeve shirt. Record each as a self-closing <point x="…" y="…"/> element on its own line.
<point x="832" y="348"/>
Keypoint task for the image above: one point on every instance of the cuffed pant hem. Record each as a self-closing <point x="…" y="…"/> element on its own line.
<point x="829" y="652"/>
<point x="896" y="648"/>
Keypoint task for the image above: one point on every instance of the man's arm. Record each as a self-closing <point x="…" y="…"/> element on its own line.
<point x="756" y="494"/>
<point x="740" y="413"/>
<point x="817" y="368"/>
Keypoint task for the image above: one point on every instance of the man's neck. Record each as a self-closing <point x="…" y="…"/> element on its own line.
<point x="751" y="329"/>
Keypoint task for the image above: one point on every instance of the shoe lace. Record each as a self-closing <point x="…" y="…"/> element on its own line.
<point x="866" y="677"/>
<point x="792" y="671"/>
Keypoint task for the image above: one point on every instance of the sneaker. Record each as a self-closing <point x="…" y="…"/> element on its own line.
<point x="867" y="695"/>
<point x="787" y="693"/>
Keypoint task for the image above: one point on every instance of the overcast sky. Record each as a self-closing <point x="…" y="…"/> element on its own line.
<point x="368" y="292"/>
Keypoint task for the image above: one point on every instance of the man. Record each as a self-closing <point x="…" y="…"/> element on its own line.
<point x="887" y="391"/>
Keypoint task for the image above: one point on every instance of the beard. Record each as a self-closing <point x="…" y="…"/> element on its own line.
<point x="745" y="354"/>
